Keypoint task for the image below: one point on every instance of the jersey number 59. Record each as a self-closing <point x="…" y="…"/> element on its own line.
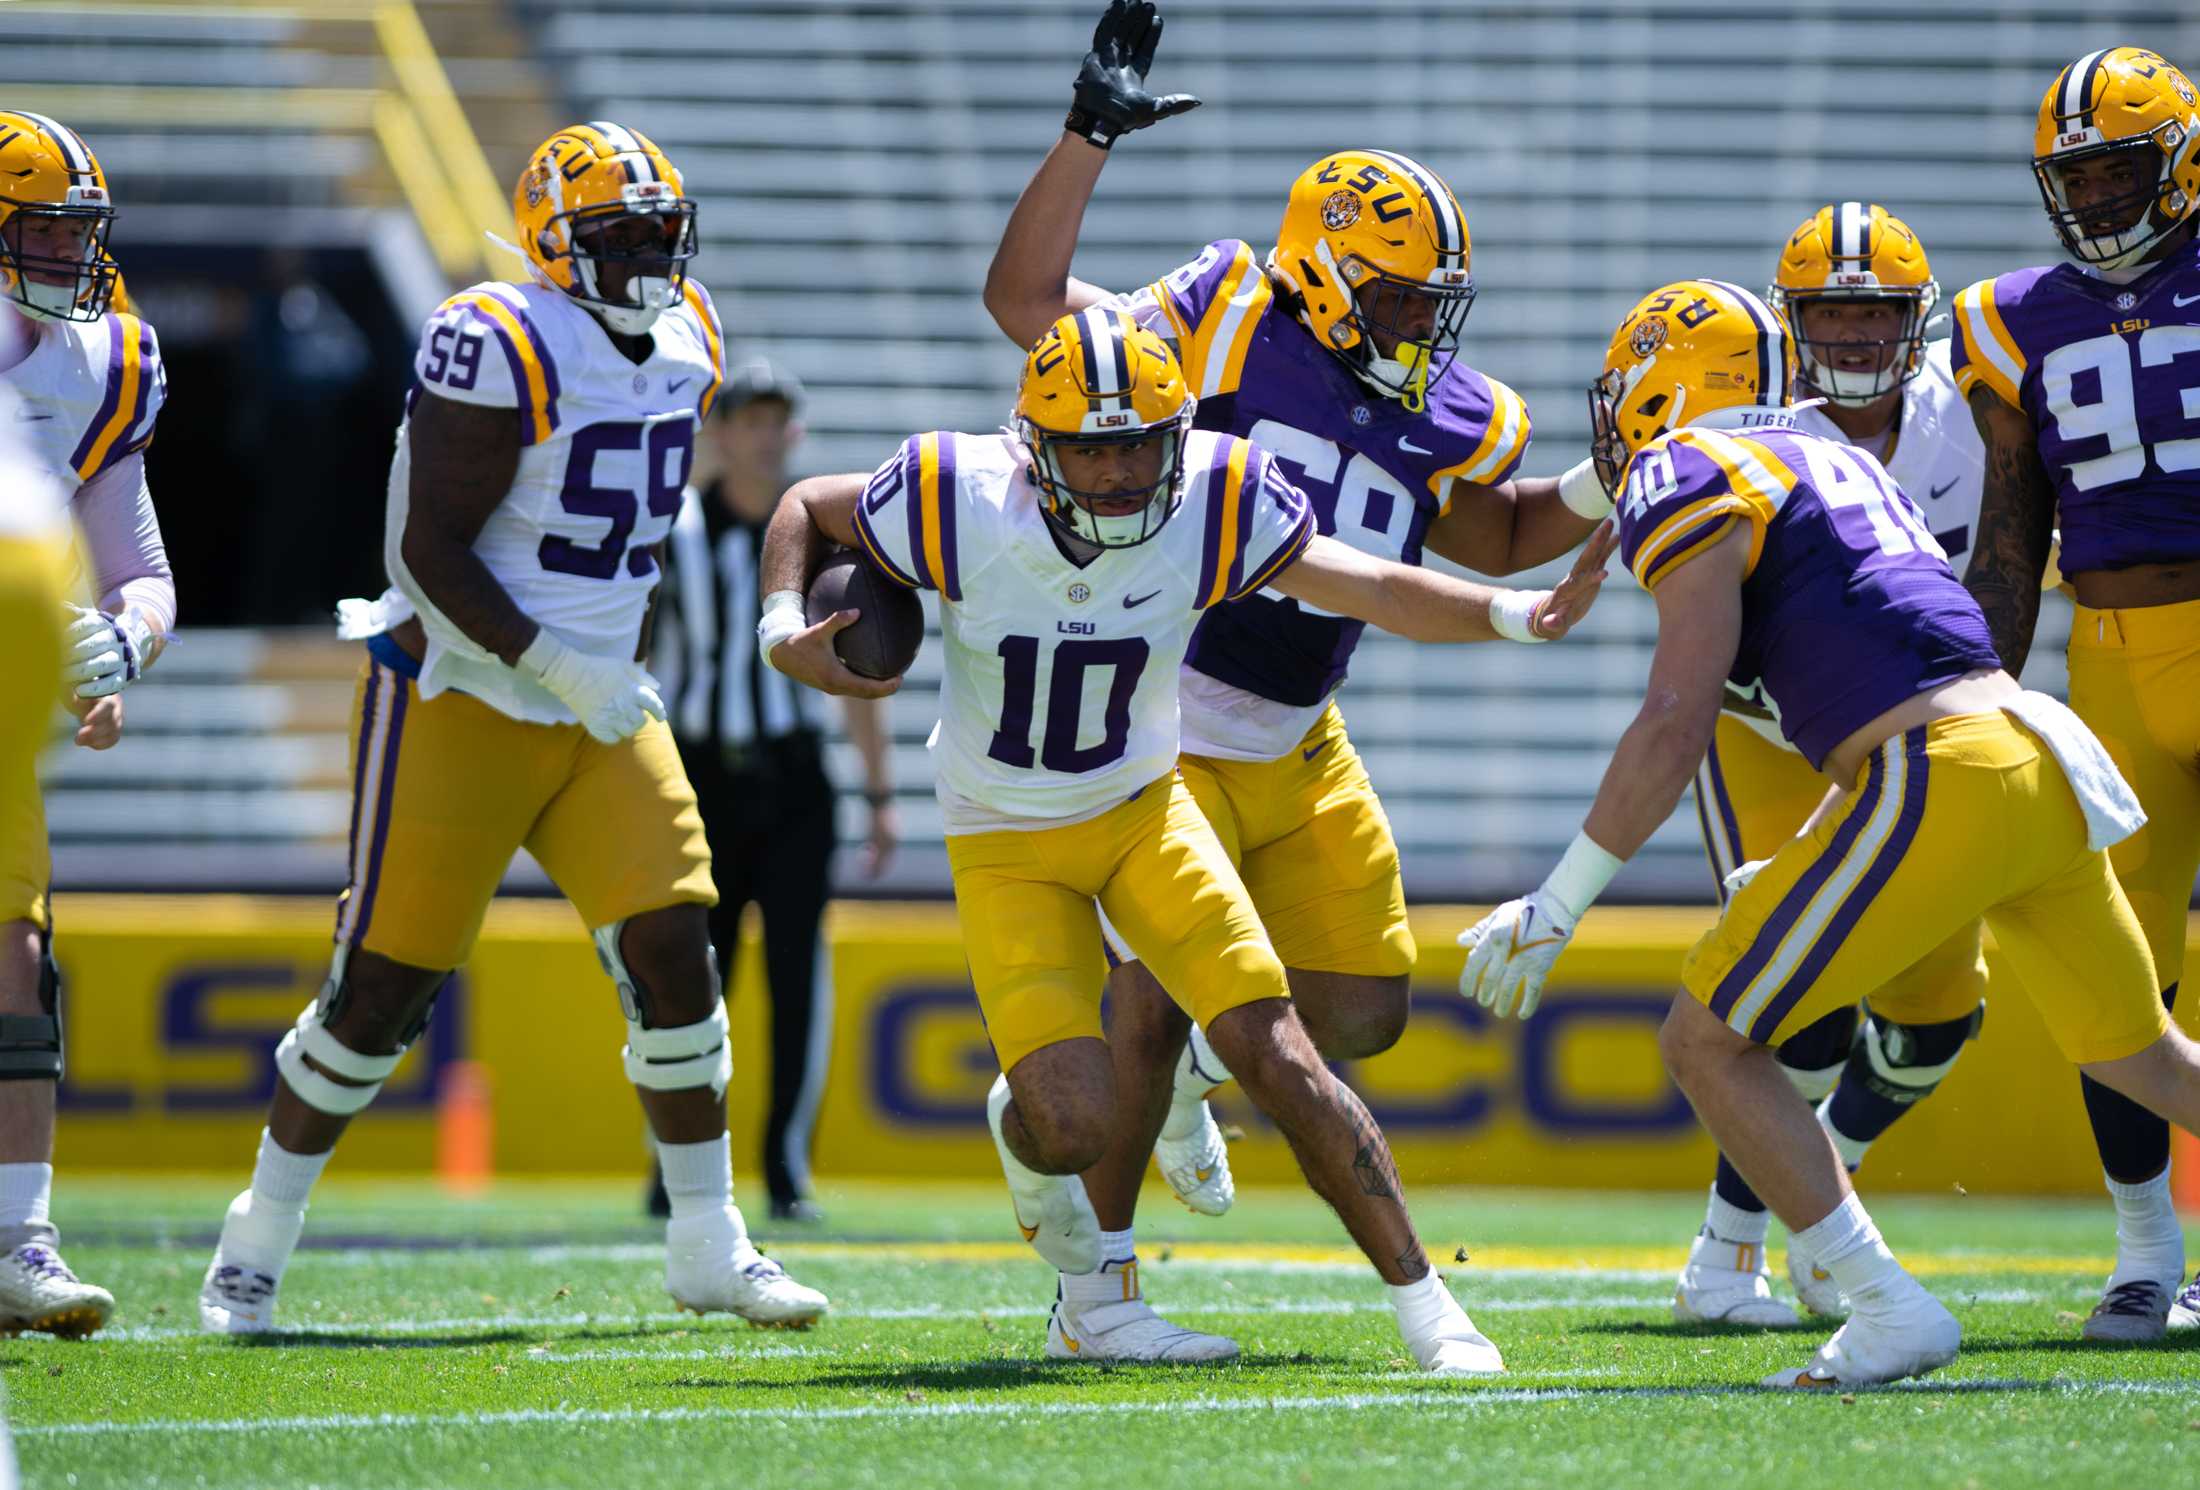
<point x="668" y="450"/>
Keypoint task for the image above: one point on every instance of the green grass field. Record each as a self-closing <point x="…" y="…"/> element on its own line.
<point x="523" y="1339"/>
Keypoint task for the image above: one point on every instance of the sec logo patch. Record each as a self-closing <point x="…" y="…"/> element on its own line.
<point x="1080" y="593"/>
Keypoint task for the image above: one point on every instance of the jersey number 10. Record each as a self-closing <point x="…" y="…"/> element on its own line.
<point x="1058" y="750"/>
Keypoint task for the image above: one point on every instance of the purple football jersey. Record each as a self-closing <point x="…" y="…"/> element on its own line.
<point x="2110" y="377"/>
<point x="1375" y="474"/>
<point x="1848" y="607"/>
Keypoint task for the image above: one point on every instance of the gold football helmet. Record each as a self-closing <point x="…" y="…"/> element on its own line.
<point x="1865" y="254"/>
<point x="1099" y="383"/>
<point x="1685" y="351"/>
<point x="602" y="217"/>
<point x="2128" y="115"/>
<point x="54" y="218"/>
<point x="1368" y="221"/>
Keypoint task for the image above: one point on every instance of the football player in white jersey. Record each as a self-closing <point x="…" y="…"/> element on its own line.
<point x="88" y="386"/>
<point x="1073" y="557"/>
<point x="501" y="705"/>
<point x="1855" y="284"/>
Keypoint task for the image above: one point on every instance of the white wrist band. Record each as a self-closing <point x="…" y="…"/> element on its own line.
<point x="783" y="617"/>
<point x="1512" y="614"/>
<point x="1582" y="873"/>
<point x="541" y="655"/>
<point x="1582" y="490"/>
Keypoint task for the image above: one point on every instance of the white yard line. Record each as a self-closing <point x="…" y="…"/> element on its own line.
<point x="1465" y="1398"/>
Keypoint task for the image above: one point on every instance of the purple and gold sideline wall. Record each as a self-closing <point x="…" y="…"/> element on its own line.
<point x="175" y="1005"/>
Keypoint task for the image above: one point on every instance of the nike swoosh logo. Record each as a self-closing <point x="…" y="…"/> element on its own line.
<point x="1131" y="600"/>
<point x="678" y="383"/>
<point x="1520" y="947"/>
<point x="1407" y="445"/>
<point x="2181" y="301"/>
<point x="1307" y="755"/>
<point x="1940" y="491"/>
<point x="1029" y="1232"/>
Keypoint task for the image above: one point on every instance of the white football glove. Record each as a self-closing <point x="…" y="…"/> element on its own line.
<point x="103" y="654"/>
<point x="1510" y="952"/>
<point x="1738" y="878"/>
<point x="613" y="697"/>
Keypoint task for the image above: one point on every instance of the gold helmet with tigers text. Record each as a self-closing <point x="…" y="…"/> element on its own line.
<point x="602" y="217"/>
<point x="1691" y="351"/>
<point x="2117" y="154"/>
<point x="1095" y="385"/>
<point x="1862" y="257"/>
<point x="1376" y="250"/>
<point x="55" y="215"/>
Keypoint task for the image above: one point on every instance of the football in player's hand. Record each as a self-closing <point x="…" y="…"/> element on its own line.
<point x="884" y="640"/>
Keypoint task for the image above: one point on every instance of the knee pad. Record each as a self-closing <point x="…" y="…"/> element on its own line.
<point x="1814" y="1057"/>
<point x="30" y="1044"/>
<point x="310" y="1036"/>
<point x="1903" y="1062"/>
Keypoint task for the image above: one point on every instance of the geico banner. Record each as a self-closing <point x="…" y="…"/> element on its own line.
<point x="175" y="1006"/>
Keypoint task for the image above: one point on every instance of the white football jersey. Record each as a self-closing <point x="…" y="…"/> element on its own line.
<point x="1060" y="700"/>
<point x="606" y="446"/>
<point x="87" y="394"/>
<point x="1938" y="460"/>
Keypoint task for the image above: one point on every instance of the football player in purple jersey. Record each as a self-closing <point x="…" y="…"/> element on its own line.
<point x="1338" y="352"/>
<point x="1790" y="562"/>
<point x="2082" y="380"/>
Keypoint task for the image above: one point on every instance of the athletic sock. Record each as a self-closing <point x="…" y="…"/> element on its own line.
<point x="281" y="1180"/>
<point x="2150" y="1243"/>
<point x="1115" y="1280"/>
<point x="1848" y="1246"/>
<point x="26" y="1201"/>
<point x="1422" y="1305"/>
<point x="1844" y="1115"/>
<point x="698" y="1176"/>
<point x="1732" y="1223"/>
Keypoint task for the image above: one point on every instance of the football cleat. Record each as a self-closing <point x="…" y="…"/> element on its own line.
<point x="1726" y="1283"/>
<point x="1051" y="1209"/>
<point x="2138" y="1309"/>
<point x="1197" y="1167"/>
<point x="1914" y="1336"/>
<point x="1814" y="1286"/>
<point x="1126" y="1329"/>
<point x="38" y="1292"/>
<point x="711" y="1266"/>
<point x="2184" y="1310"/>
<point x="238" y="1294"/>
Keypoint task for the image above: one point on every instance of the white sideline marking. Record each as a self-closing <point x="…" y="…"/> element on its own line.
<point x="1466" y="1398"/>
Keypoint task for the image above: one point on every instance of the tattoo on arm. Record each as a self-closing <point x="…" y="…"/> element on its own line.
<point x="2016" y="525"/>
<point x="464" y="457"/>
<point x="1413" y="1262"/>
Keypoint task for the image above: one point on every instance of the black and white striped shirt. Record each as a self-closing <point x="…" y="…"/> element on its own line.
<point x="717" y="691"/>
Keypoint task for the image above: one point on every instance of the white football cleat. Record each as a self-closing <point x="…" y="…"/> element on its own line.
<point x="1814" y="1286"/>
<point x="2184" y="1311"/>
<point x="38" y="1292"/>
<point x="1127" y="1329"/>
<point x="238" y="1294"/>
<point x="1449" y="1344"/>
<point x="1909" y="1338"/>
<point x="1198" y="1167"/>
<point x="1725" y="1283"/>
<point x="1051" y="1209"/>
<point x="711" y="1266"/>
<point x="2134" y="1310"/>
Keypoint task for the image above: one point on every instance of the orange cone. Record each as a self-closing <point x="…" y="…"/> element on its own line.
<point x="465" y="1129"/>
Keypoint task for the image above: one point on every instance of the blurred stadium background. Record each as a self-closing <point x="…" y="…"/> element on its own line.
<point x="299" y="183"/>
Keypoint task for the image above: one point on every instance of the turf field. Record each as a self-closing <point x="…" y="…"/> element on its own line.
<point x="523" y="1339"/>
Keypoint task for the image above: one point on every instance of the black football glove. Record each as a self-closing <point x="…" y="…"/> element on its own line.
<point x="1111" y="97"/>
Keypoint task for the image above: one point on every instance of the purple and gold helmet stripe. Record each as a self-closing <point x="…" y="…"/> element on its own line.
<point x="2075" y="106"/>
<point x="1771" y="343"/>
<point x="1852" y="233"/>
<point x="1449" y="224"/>
<point x="74" y="152"/>
<point x="631" y="152"/>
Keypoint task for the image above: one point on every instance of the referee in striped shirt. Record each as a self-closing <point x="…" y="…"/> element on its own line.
<point x="752" y="740"/>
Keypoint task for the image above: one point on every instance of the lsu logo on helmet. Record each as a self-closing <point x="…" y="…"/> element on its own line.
<point x="1686" y="350"/>
<point x="2116" y="151"/>
<point x="1375" y="248"/>
<point x="602" y="218"/>
<point x="1104" y="391"/>
<point x="55" y="215"/>
<point x="1862" y="256"/>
